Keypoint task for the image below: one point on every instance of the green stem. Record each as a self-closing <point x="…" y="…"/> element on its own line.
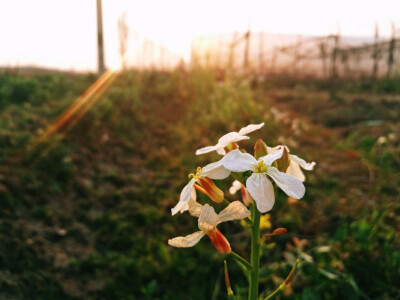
<point x="231" y="295"/>
<point x="242" y="261"/>
<point x="283" y="286"/>
<point x="255" y="253"/>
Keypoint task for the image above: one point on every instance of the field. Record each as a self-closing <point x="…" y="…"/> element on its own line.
<point x="85" y="214"/>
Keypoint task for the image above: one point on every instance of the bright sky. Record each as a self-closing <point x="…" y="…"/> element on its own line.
<point x="62" y="33"/>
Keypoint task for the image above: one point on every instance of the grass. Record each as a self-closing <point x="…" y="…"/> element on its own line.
<point x="90" y="218"/>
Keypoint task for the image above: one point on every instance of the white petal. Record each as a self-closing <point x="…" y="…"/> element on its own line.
<point x="194" y="207"/>
<point x="305" y="165"/>
<point x="224" y="141"/>
<point x="191" y="205"/>
<point x="184" y="198"/>
<point x="262" y="191"/>
<point x="215" y="171"/>
<point x="206" y="150"/>
<point x="221" y="151"/>
<point x="186" y="241"/>
<point x="234" y="211"/>
<point x="208" y="218"/>
<point x="270" y="158"/>
<point x="236" y="185"/>
<point x="289" y="184"/>
<point x="294" y="170"/>
<point x="250" y="128"/>
<point x="274" y="149"/>
<point x="230" y="138"/>
<point x="237" y="161"/>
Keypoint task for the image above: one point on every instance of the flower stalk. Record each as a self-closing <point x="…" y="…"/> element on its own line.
<point x="253" y="176"/>
<point x="284" y="285"/>
<point x="255" y="253"/>
<point x="241" y="260"/>
<point x="231" y="295"/>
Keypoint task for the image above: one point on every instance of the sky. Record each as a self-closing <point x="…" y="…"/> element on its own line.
<point x="62" y="33"/>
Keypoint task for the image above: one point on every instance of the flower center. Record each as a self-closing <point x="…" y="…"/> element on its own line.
<point x="197" y="174"/>
<point x="261" y="167"/>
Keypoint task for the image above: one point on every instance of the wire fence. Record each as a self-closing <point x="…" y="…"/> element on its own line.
<point x="330" y="56"/>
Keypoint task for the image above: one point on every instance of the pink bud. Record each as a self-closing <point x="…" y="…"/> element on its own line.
<point x="219" y="241"/>
<point x="209" y="188"/>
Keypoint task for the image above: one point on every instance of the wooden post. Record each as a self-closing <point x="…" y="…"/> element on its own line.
<point x="261" y="53"/>
<point x="219" y="54"/>
<point x="100" y="46"/>
<point x="345" y="62"/>
<point x="375" y="54"/>
<point x="273" y="60"/>
<point x="144" y="55"/>
<point x="246" y="50"/>
<point x="322" y="50"/>
<point x="123" y="38"/>
<point x="162" y="58"/>
<point x="151" y="55"/>
<point x="334" y="55"/>
<point x="296" y="55"/>
<point x="391" y="52"/>
<point x="231" y="62"/>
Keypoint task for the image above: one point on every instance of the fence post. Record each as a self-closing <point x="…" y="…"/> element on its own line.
<point x="123" y="38"/>
<point x="322" y="50"/>
<point x="231" y="62"/>
<point x="100" y="46"/>
<point x="296" y="55"/>
<point x="334" y="55"/>
<point x="246" y="51"/>
<point x="391" y="52"/>
<point x="375" y="54"/>
<point x="261" y="53"/>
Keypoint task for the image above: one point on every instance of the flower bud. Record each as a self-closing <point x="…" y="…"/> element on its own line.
<point x="208" y="187"/>
<point x="246" y="198"/>
<point x="283" y="163"/>
<point x="278" y="231"/>
<point x="219" y="241"/>
<point x="231" y="146"/>
<point x="227" y="282"/>
<point x="260" y="149"/>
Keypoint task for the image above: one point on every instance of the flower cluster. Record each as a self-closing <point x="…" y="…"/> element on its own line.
<point x="269" y="164"/>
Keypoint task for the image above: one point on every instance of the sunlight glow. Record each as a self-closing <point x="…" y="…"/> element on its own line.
<point x="62" y="33"/>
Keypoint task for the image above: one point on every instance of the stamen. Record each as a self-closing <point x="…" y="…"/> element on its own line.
<point x="261" y="167"/>
<point x="198" y="173"/>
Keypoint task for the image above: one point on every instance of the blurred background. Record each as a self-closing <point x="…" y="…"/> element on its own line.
<point x="103" y="104"/>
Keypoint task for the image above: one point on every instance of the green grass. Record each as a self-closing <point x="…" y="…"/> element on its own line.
<point x="90" y="218"/>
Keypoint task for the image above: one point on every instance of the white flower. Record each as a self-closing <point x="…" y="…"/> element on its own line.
<point x="213" y="171"/>
<point x="228" y="138"/>
<point x="295" y="164"/>
<point x="208" y="221"/>
<point x="258" y="185"/>
<point x="236" y="186"/>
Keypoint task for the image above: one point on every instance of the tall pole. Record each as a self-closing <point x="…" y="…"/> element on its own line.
<point x="261" y="53"/>
<point x="391" y="51"/>
<point x="334" y="56"/>
<point x="375" y="54"/>
<point x="296" y="55"/>
<point x="231" y="63"/>
<point x="100" y="46"/>
<point x="123" y="38"/>
<point x="246" y="49"/>
<point x="322" y="51"/>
